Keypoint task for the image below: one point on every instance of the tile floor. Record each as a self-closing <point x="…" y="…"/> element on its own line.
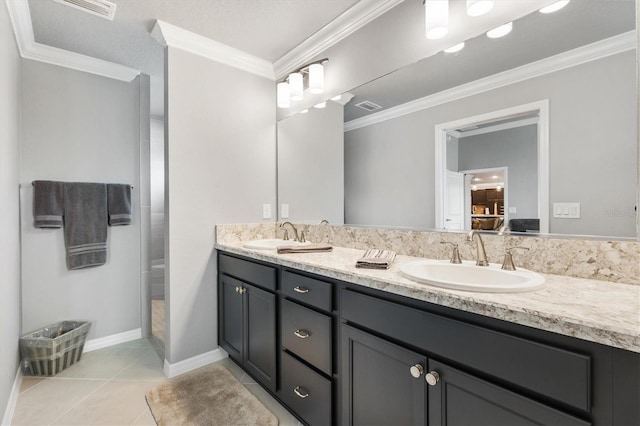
<point x="107" y="387"/>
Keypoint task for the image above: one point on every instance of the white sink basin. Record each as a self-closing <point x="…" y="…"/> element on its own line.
<point x="469" y="277"/>
<point x="271" y="244"/>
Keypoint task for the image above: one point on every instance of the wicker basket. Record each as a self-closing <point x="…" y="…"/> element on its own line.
<point x="51" y="349"/>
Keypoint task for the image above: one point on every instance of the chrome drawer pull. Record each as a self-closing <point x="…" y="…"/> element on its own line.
<point x="300" y="392"/>
<point x="299" y="289"/>
<point x="303" y="334"/>
<point x="432" y="378"/>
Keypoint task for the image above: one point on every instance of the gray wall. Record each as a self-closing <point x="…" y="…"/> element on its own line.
<point x="220" y="168"/>
<point x="80" y="127"/>
<point x="516" y="149"/>
<point x="593" y="129"/>
<point x="311" y="165"/>
<point x="10" y="328"/>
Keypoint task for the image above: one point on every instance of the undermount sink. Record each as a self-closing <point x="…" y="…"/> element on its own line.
<point x="469" y="277"/>
<point x="272" y="244"/>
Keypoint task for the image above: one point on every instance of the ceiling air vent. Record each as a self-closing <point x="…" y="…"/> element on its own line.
<point x="104" y="9"/>
<point x="368" y="106"/>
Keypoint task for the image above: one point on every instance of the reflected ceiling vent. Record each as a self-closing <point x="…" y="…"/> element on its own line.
<point x="368" y="106"/>
<point x="104" y="9"/>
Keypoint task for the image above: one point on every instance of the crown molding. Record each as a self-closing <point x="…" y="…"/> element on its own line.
<point x="23" y="30"/>
<point x="344" y="25"/>
<point x="598" y="50"/>
<point x="172" y="36"/>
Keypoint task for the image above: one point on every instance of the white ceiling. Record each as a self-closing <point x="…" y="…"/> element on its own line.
<point x="267" y="29"/>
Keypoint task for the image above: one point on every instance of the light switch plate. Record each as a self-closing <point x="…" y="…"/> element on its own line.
<point x="512" y="210"/>
<point x="266" y="211"/>
<point x="284" y="211"/>
<point x="566" y="210"/>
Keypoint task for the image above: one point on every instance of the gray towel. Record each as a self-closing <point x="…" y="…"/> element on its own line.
<point x="48" y="204"/>
<point x="85" y="224"/>
<point x="119" y="202"/>
<point x="376" y="259"/>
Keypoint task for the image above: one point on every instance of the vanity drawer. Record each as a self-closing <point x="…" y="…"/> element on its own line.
<point x="307" y="290"/>
<point x="254" y="273"/>
<point x="540" y="368"/>
<point x="307" y="334"/>
<point x="306" y="392"/>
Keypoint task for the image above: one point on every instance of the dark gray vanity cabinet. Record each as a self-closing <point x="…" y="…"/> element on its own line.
<point x="247" y="316"/>
<point x="306" y="332"/>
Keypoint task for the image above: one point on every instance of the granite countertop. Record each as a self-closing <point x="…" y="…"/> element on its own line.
<point x="597" y="311"/>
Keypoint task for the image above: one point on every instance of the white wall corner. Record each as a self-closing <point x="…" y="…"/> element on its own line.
<point x="172" y="36"/>
<point x="598" y="50"/>
<point x="181" y="367"/>
<point x="114" y="339"/>
<point x="13" y="398"/>
<point x="344" y="25"/>
<point x="29" y="49"/>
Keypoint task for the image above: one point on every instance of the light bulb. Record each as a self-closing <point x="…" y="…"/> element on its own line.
<point x="436" y="13"/>
<point x="554" y="7"/>
<point x="295" y="86"/>
<point x="478" y="7"/>
<point x="283" y="95"/>
<point x="500" y="31"/>
<point x="316" y="78"/>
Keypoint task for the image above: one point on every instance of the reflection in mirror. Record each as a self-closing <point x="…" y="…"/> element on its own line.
<point x="584" y="66"/>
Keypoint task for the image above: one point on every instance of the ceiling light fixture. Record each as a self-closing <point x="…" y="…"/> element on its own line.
<point x="456" y="48"/>
<point x="478" y="7"/>
<point x="336" y="98"/>
<point x="304" y="111"/>
<point x="554" y="7"/>
<point x="320" y="105"/>
<point x="500" y="31"/>
<point x="436" y="14"/>
<point x="292" y="87"/>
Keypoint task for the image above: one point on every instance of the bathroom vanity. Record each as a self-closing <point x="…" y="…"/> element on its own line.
<point x="338" y="345"/>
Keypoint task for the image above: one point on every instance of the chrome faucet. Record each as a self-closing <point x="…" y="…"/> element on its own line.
<point x="286" y="234"/>
<point x="481" y="255"/>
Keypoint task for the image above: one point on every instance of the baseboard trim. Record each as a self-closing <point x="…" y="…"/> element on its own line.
<point x="13" y="398"/>
<point x="181" y="367"/>
<point x="114" y="339"/>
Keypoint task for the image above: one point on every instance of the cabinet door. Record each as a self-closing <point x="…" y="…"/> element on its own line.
<point x="459" y="398"/>
<point x="260" y="344"/>
<point x="231" y="316"/>
<point x="377" y="383"/>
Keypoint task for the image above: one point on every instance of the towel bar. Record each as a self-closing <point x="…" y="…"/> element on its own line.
<point x="33" y="183"/>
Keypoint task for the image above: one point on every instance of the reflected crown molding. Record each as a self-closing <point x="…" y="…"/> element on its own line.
<point x="23" y="30"/>
<point x="601" y="49"/>
<point x="349" y="22"/>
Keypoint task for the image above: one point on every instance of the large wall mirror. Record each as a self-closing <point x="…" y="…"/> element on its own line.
<point x="538" y="129"/>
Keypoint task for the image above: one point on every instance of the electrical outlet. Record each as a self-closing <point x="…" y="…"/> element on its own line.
<point x="284" y="211"/>
<point x="266" y="211"/>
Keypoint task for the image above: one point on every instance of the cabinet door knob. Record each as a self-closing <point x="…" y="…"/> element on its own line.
<point x="299" y="289"/>
<point x="303" y="334"/>
<point x="416" y="370"/>
<point x="300" y="392"/>
<point x="242" y="290"/>
<point x="432" y="378"/>
<point x="237" y="289"/>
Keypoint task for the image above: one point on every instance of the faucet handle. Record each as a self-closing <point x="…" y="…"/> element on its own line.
<point x="302" y="239"/>
<point x="455" y="255"/>
<point x="507" y="263"/>
<point x="286" y="235"/>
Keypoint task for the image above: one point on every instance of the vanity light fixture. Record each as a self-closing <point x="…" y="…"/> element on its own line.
<point x="456" y="48"/>
<point x="478" y="7"/>
<point x="554" y="7"/>
<point x="500" y="31"/>
<point x="436" y="14"/>
<point x="320" y="105"/>
<point x="292" y="87"/>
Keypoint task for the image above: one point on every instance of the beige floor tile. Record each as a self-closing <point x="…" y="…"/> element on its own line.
<point x="147" y="366"/>
<point x="28" y="382"/>
<point x="144" y="419"/>
<point x="118" y="402"/>
<point x="52" y="398"/>
<point x="103" y="364"/>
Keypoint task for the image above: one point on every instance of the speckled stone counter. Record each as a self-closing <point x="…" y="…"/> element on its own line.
<point x="598" y="311"/>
